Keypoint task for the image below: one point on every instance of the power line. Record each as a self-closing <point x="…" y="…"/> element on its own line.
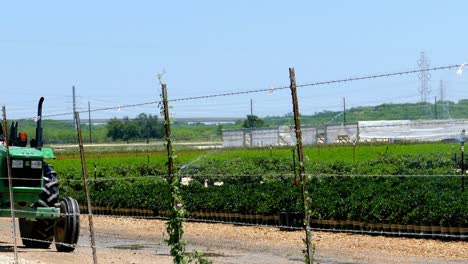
<point x="118" y="108"/>
<point x="345" y="80"/>
<point x="229" y="94"/>
<point x="352" y="79"/>
<point x="385" y="75"/>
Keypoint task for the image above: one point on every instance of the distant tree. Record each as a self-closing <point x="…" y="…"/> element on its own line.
<point x="219" y="130"/>
<point x="130" y="131"/>
<point x="115" y="129"/>
<point x="142" y="127"/>
<point x="148" y="126"/>
<point x="253" y="121"/>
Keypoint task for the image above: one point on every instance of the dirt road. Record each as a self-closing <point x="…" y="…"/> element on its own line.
<point x="135" y="241"/>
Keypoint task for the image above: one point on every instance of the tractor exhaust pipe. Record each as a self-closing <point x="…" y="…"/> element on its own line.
<point x="39" y="124"/>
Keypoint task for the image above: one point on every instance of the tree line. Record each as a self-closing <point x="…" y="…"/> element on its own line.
<point x="142" y="127"/>
<point x="149" y="127"/>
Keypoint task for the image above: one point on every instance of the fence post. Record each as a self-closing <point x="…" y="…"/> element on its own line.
<point x="10" y="182"/>
<point x="462" y="148"/>
<point x="174" y="226"/>
<point x="167" y="130"/>
<point x="305" y="196"/>
<point x="86" y="185"/>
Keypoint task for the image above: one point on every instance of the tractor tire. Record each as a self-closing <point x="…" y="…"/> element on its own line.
<point x="50" y="191"/>
<point x="67" y="227"/>
<point x="37" y="234"/>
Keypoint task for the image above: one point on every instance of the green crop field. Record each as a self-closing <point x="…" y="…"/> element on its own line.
<point x="392" y="183"/>
<point x="216" y="164"/>
<point x="186" y="158"/>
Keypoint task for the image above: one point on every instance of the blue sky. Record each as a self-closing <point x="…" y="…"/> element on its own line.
<point x="112" y="50"/>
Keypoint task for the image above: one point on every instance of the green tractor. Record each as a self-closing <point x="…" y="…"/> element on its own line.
<point x="43" y="215"/>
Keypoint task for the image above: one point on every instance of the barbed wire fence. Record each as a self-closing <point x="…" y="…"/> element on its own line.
<point x="285" y="220"/>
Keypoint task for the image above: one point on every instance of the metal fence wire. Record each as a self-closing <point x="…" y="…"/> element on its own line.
<point x="289" y="198"/>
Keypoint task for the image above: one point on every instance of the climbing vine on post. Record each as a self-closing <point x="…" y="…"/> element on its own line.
<point x="174" y="226"/>
<point x="309" y="251"/>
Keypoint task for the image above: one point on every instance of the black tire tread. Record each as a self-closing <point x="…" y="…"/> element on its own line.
<point x="71" y="226"/>
<point x="49" y="195"/>
<point x="32" y="231"/>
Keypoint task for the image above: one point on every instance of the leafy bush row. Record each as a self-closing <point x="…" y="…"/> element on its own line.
<point x="339" y="190"/>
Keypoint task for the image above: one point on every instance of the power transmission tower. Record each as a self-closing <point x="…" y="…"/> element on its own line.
<point x="251" y="114"/>
<point x="424" y="76"/>
<point x="445" y="109"/>
<point x="74" y="106"/>
<point x="441" y="87"/>
<point x="344" y="110"/>
<point x="89" y="123"/>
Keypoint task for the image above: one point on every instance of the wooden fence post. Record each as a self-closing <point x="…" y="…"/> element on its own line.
<point x="300" y="155"/>
<point x="10" y="183"/>
<point x="174" y="226"/>
<point x="167" y="129"/>
<point x="86" y="185"/>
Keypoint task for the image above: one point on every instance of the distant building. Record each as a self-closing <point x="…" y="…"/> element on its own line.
<point x="362" y="131"/>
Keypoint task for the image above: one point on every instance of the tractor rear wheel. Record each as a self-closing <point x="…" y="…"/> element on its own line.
<point x="36" y="234"/>
<point x="67" y="227"/>
<point x="50" y="191"/>
<point x="39" y="233"/>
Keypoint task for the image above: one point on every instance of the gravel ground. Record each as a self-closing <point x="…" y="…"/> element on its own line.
<point x="128" y="240"/>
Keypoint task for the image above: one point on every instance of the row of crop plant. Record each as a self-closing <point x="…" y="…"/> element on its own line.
<point x="405" y="190"/>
